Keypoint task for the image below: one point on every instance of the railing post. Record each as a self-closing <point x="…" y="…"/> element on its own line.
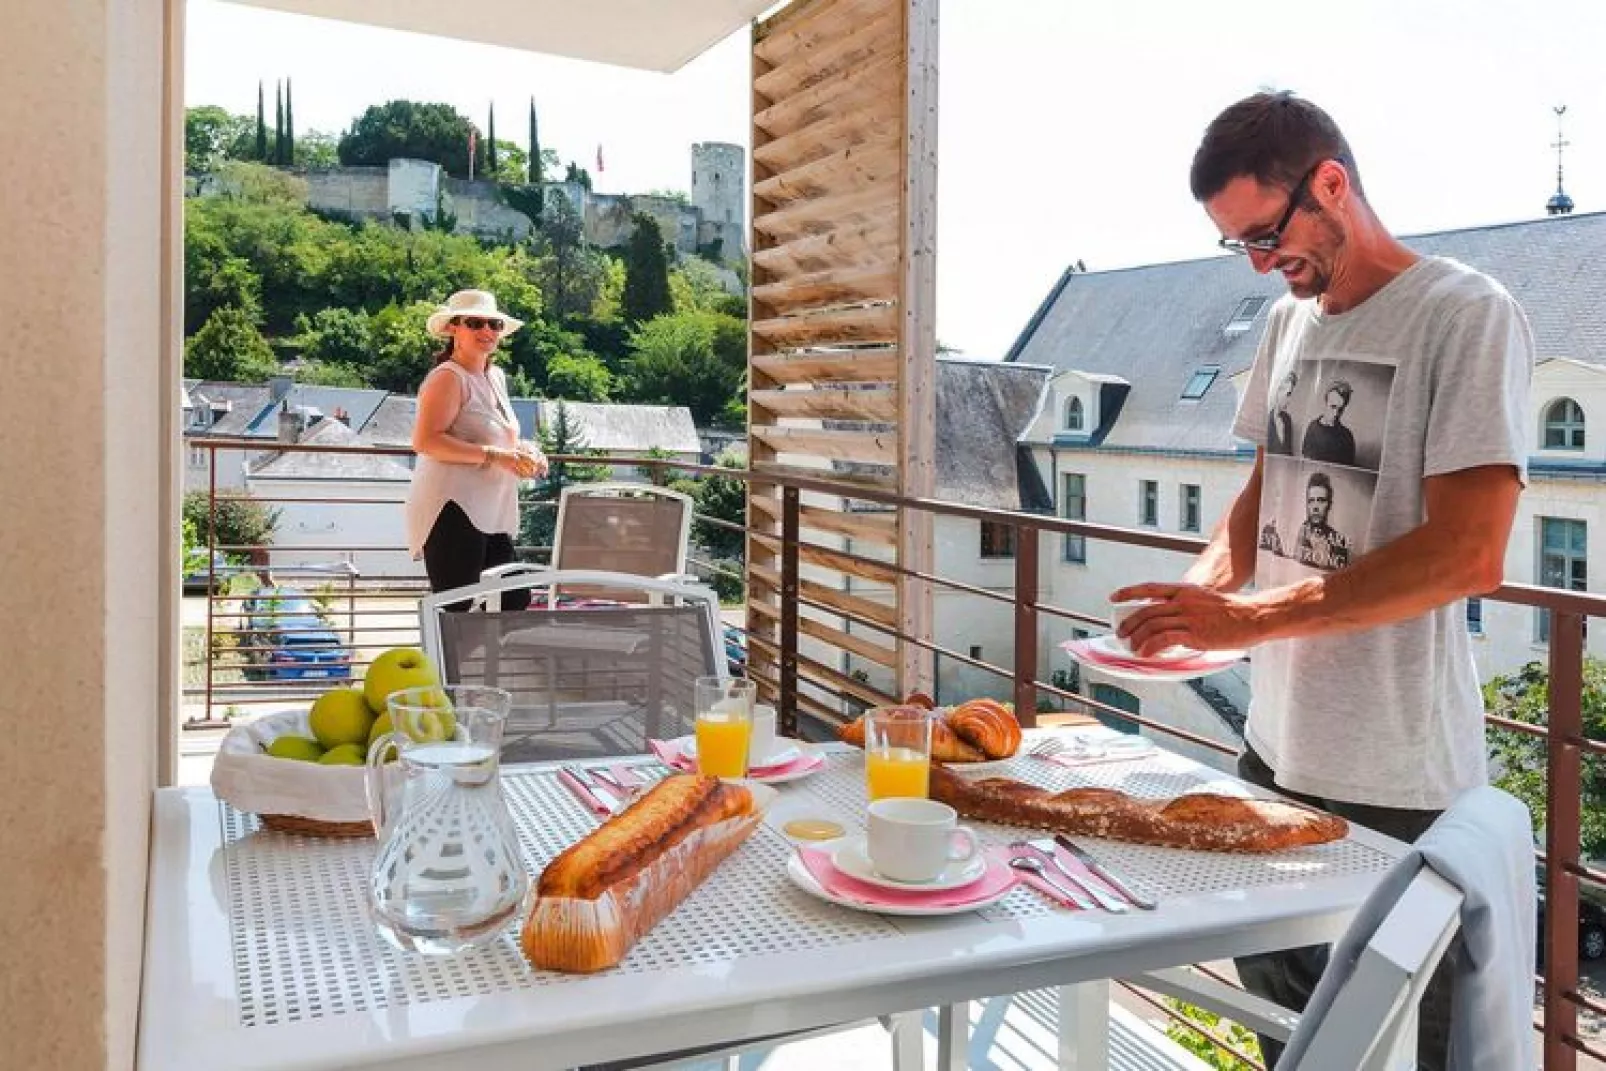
<point x="1026" y="624"/>
<point x="211" y="559"/>
<point x="789" y="536"/>
<point x="1563" y="806"/>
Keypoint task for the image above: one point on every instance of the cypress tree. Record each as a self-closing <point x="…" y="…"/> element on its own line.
<point x="289" y="127"/>
<point x="262" y="129"/>
<point x="278" y="122"/>
<point x="490" y="142"/>
<point x="646" y="292"/>
<point x="536" y="178"/>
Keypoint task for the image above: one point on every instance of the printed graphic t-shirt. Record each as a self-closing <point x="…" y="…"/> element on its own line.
<point x="1428" y="376"/>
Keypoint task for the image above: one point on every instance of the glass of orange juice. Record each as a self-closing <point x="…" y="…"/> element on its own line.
<point x="724" y="725"/>
<point x="897" y="752"/>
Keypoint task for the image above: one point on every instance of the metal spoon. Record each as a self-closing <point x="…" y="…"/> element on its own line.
<point x="1034" y="866"/>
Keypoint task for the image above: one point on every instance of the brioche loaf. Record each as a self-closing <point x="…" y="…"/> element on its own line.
<point x="1200" y="821"/>
<point x="602" y="893"/>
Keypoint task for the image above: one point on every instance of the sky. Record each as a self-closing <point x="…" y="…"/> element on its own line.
<point x="1066" y="126"/>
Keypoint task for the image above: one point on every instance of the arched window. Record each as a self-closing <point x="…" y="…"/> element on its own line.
<point x="1564" y="425"/>
<point x="1073" y="415"/>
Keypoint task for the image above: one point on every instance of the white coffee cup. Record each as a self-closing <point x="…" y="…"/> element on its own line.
<point x="762" y="741"/>
<point x="915" y="839"/>
<point x="1119" y="612"/>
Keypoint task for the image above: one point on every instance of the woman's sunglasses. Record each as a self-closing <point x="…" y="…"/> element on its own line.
<point x="475" y="323"/>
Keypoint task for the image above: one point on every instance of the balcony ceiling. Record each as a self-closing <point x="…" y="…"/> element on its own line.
<point x="654" y="35"/>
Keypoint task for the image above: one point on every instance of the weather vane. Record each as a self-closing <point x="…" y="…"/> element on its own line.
<point x="1559" y="204"/>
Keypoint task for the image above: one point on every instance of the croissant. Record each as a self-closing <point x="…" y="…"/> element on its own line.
<point x="946" y="745"/>
<point x="986" y="724"/>
<point x="1199" y="821"/>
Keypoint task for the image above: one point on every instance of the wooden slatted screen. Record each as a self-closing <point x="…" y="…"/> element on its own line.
<point x="842" y="337"/>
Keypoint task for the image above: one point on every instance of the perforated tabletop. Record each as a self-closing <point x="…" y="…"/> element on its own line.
<point x="301" y="951"/>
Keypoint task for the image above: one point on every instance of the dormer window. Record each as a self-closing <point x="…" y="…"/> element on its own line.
<point x="1243" y="318"/>
<point x="1074" y="418"/>
<point x="1200" y="382"/>
<point x="1564" y="425"/>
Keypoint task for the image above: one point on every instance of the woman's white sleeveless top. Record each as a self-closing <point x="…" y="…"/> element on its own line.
<point x="489" y="495"/>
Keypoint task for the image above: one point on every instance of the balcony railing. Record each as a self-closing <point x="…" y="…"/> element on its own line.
<point x="377" y="610"/>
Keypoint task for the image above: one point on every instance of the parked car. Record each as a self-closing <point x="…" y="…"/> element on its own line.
<point x="198" y="582"/>
<point x="735" y="651"/>
<point x="287" y="640"/>
<point x="1591" y="921"/>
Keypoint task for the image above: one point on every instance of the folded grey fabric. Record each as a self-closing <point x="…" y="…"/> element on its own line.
<point x="1483" y="845"/>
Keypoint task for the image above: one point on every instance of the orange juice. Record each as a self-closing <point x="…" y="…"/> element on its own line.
<point x="722" y="745"/>
<point x="896" y="771"/>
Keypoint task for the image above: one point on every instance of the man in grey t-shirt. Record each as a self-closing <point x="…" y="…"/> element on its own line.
<point x="1412" y="381"/>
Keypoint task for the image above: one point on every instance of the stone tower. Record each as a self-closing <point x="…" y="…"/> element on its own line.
<point x="719" y="192"/>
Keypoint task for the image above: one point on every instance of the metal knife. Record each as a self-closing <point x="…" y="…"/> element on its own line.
<point x="1045" y="848"/>
<point x="1103" y="873"/>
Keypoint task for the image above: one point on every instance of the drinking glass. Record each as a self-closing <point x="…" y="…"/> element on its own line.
<point x="724" y="725"/>
<point x="897" y="752"/>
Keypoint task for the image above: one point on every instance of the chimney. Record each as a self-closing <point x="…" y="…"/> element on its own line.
<point x="278" y="387"/>
<point x="291" y="423"/>
<point x="343" y="416"/>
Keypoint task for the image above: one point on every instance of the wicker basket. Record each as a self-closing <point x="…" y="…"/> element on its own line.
<point x="296" y="825"/>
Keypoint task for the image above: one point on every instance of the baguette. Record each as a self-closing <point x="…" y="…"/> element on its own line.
<point x="603" y="893"/>
<point x="1200" y="821"/>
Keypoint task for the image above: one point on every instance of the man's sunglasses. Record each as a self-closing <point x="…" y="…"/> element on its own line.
<point x="474" y="323"/>
<point x="1272" y="240"/>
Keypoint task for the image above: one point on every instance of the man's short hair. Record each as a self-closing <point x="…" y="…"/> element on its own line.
<point x="1274" y="138"/>
<point x="1319" y="479"/>
<point x="1341" y="388"/>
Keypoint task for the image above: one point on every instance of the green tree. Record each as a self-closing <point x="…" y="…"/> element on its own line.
<point x="316" y="151"/>
<point x="262" y="130"/>
<point x="331" y="374"/>
<point x="337" y="336"/>
<point x="578" y="378"/>
<point x="403" y="351"/>
<point x="490" y="143"/>
<point x="400" y="128"/>
<point x="289" y="126"/>
<point x="577" y="174"/>
<point x="722" y="498"/>
<point x="695" y="284"/>
<point x="278" y="122"/>
<point x="646" y="291"/>
<point x="695" y="359"/>
<point x="210" y="134"/>
<point x="510" y="164"/>
<point x="538" y="500"/>
<point x="229" y="347"/>
<point x="1215" y="1026"/>
<point x="1524" y="696"/>
<point x="568" y="272"/>
<point x="536" y="176"/>
<point x="214" y="277"/>
<point x="239" y="522"/>
<point x="680" y="197"/>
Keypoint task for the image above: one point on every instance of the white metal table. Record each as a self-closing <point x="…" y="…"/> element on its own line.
<point x="259" y="953"/>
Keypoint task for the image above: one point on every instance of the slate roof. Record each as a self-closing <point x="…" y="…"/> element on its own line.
<point x="310" y="466"/>
<point x="628" y="429"/>
<point x="1157" y="324"/>
<point x="359" y="404"/>
<point x="982" y="409"/>
<point x="247" y="400"/>
<point x="392" y="422"/>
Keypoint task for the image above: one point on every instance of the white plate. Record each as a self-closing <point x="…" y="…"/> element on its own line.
<point x="786" y="776"/>
<point x="783" y="751"/>
<point x="804" y="880"/>
<point x="1095" y="654"/>
<point x="852" y="857"/>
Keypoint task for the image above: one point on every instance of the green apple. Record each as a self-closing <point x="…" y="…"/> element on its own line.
<point x="295" y="747"/>
<point x="435" y="721"/>
<point x="381" y="727"/>
<point x="345" y="755"/>
<point x="394" y="671"/>
<point x="341" y="716"/>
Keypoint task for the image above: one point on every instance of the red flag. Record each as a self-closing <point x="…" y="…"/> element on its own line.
<point x="599" y="159"/>
<point x="471" y="133"/>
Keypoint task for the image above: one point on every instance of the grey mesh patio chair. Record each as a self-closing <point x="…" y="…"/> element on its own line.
<point x="588" y="679"/>
<point x="637" y="529"/>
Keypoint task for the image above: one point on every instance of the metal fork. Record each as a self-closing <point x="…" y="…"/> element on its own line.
<point x="603" y="790"/>
<point x="1046" y="747"/>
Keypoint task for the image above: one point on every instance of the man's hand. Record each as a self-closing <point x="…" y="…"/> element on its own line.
<point x="1188" y="615"/>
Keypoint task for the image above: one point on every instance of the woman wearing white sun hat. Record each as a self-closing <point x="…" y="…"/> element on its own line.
<point x="463" y="508"/>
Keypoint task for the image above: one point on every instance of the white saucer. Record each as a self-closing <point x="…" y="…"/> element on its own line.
<point x="852" y="857"/>
<point x="804" y="880"/>
<point x="783" y="751"/>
